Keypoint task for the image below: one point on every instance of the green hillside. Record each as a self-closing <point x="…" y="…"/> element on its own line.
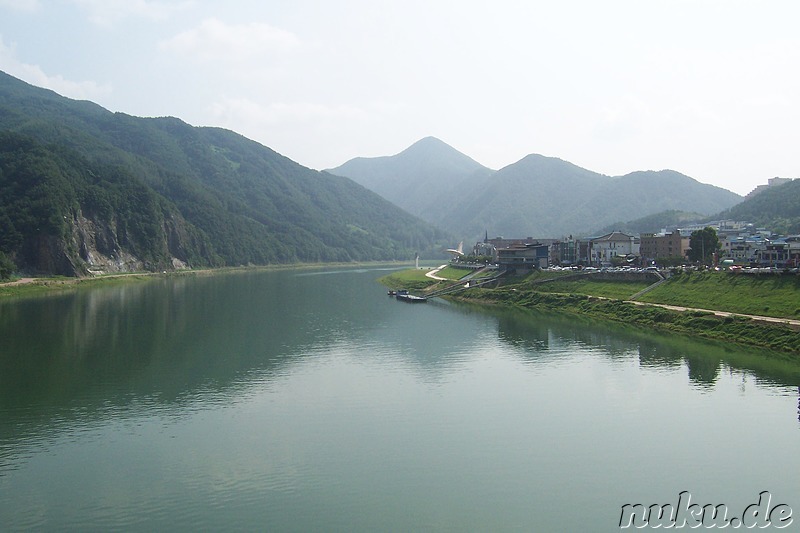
<point x="528" y="198"/>
<point x="764" y="295"/>
<point x="654" y="223"/>
<point x="82" y="188"/>
<point x="652" y="192"/>
<point x="547" y="197"/>
<point x="776" y="208"/>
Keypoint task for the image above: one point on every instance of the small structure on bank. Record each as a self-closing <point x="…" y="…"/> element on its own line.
<point x="523" y="257"/>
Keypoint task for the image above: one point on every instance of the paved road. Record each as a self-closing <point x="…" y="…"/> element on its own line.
<point x="21" y="281"/>
<point x="771" y="319"/>
<point x="432" y="274"/>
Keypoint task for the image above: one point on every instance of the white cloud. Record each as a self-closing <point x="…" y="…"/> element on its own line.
<point x="108" y="12"/>
<point x="33" y="74"/>
<point x="27" y="6"/>
<point x="215" y="40"/>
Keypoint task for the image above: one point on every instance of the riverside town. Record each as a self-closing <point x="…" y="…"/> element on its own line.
<point x="738" y="247"/>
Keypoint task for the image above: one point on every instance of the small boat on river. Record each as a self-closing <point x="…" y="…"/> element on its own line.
<point x="403" y="295"/>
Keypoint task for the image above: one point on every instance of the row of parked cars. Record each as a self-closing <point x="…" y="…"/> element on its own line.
<point x="684" y="268"/>
<point x="763" y="270"/>
<point x="605" y="269"/>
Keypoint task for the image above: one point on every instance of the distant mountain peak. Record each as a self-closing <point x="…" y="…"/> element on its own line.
<point x="432" y="147"/>
<point x="429" y="141"/>
<point x="421" y="178"/>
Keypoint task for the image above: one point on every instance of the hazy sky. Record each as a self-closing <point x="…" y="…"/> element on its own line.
<point x="705" y="87"/>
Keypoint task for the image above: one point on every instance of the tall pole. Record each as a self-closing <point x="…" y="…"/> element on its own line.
<point x="703" y="240"/>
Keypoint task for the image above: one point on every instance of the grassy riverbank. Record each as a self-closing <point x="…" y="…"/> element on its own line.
<point x="763" y="294"/>
<point x="587" y="285"/>
<point x="776" y="296"/>
<point x="770" y="295"/>
<point x="49" y="285"/>
<point x="741" y="330"/>
<point x="412" y="279"/>
<point x="41" y="286"/>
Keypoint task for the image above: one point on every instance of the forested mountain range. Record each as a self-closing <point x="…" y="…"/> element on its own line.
<point x="84" y="189"/>
<point x="537" y="196"/>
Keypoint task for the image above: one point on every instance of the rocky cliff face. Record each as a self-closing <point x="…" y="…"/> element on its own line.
<point x="94" y="247"/>
<point x="48" y="254"/>
<point x="98" y="248"/>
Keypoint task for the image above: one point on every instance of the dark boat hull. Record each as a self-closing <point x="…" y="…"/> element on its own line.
<point x="410" y="298"/>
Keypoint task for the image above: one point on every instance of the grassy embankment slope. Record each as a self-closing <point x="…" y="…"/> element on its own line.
<point x="414" y="280"/>
<point x="765" y="294"/>
<point x="777" y="296"/>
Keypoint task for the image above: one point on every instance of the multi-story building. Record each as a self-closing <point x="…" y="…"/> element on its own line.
<point x="772" y="182"/>
<point x="745" y="249"/>
<point x="664" y="245"/>
<point x="565" y="252"/>
<point x="746" y="245"/>
<point x="793" y="243"/>
<point x="782" y="252"/>
<point x="604" y="249"/>
<point x="521" y="257"/>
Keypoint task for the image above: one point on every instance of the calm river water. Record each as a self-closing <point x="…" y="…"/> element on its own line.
<point x="311" y="401"/>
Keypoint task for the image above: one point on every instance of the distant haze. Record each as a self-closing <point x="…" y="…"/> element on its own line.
<point x="421" y="179"/>
<point x="543" y="197"/>
<point x="704" y="87"/>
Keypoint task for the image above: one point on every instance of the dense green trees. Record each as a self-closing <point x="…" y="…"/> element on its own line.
<point x="45" y="189"/>
<point x="654" y="223"/>
<point x="776" y="208"/>
<point x="159" y="189"/>
<point x="7" y="267"/>
<point x="703" y="244"/>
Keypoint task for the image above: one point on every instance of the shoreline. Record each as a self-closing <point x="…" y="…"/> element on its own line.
<point x="779" y="334"/>
<point x="742" y="330"/>
<point x="30" y="286"/>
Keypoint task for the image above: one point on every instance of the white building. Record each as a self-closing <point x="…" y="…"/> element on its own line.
<point x="603" y="250"/>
